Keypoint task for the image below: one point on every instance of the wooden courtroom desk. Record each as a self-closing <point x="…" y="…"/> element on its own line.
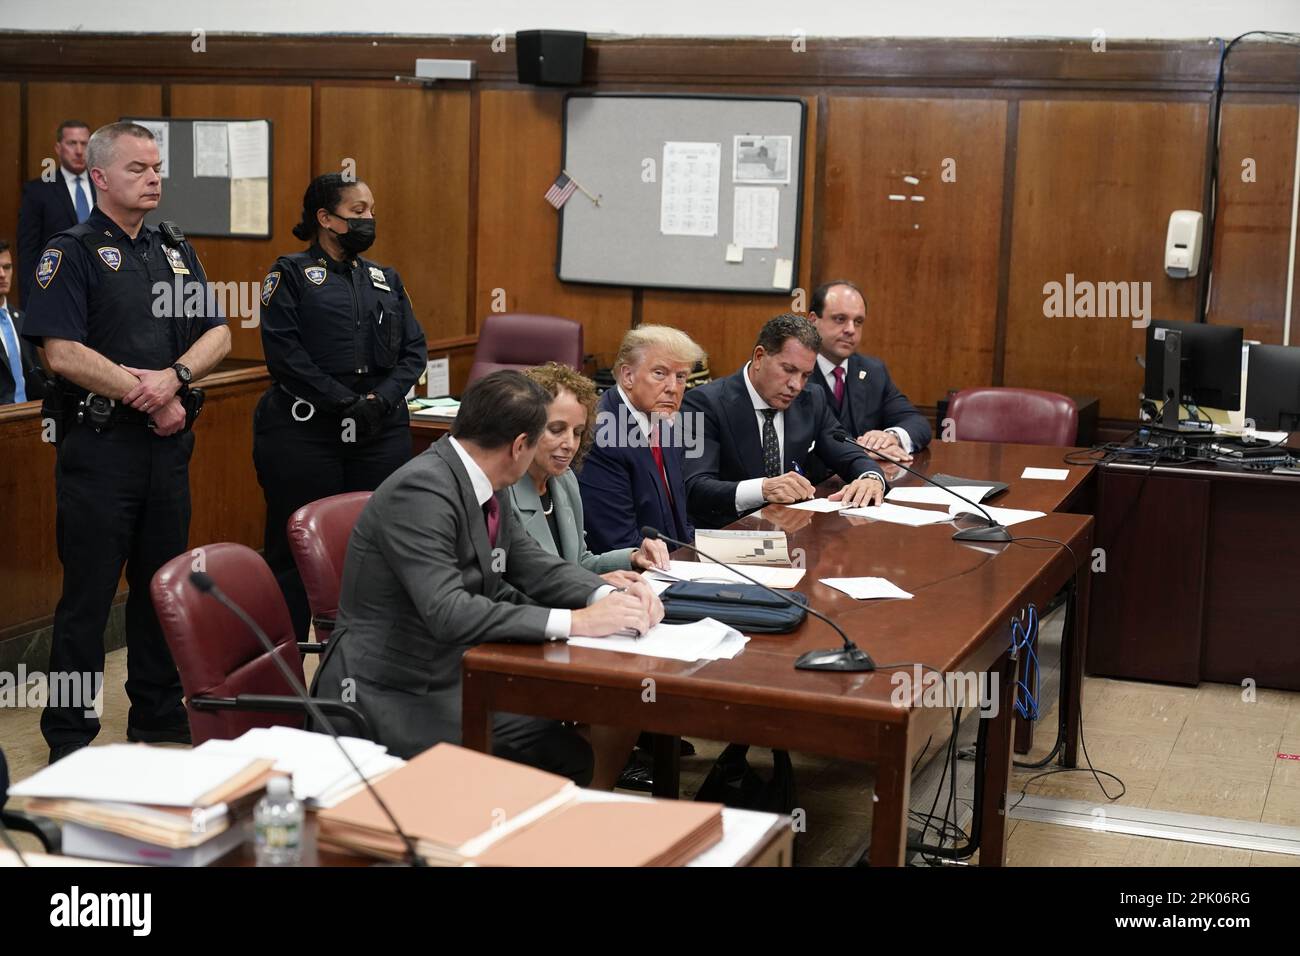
<point x="1202" y="576"/>
<point x="959" y="620"/>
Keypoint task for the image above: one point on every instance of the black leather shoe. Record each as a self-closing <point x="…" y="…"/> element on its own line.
<point x="59" y="751"/>
<point x="175" y="734"/>
<point x="636" y="776"/>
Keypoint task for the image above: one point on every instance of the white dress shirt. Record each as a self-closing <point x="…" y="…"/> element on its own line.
<point x="828" y="368"/>
<point x="749" y="493"/>
<point x="559" y="622"/>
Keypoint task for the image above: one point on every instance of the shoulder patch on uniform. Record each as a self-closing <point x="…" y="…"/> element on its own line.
<point x="48" y="265"/>
<point x="269" y="285"/>
<point x="111" y="256"/>
<point x="315" y="273"/>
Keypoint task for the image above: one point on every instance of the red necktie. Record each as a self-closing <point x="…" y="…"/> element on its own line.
<point x="658" y="454"/>
<point x="492" y="511"/>
<point x="838" y="372"/>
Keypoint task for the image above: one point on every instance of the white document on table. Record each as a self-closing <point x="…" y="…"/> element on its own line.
<point x="816" y="504"/>
<point x="863" y="589"/>
<point x="1003" y="516"/>
<point x="896" y="514"/>
<point x="930" y="495"/>
<point x="702" y="640"/>
<point x="1046" y="474"/>
<point x="709" y="571"/>
<point x="134" y="773"/>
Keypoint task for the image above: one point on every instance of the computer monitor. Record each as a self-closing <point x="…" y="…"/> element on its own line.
<point x="1273" y="387"/>
<point x="1208" y="367"/>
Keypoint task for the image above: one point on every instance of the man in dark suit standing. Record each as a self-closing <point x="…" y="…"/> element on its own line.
<point x="632" y="476"/>
<point x="58" y="199"/>
<point x="21" y="377"/>
<point x="858" y="387"/>
<point x="761" y="428"/>
<point x="437" y="564"/>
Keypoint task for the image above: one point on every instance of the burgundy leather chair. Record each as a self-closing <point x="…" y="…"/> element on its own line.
<point x="1023" y="415"/>
<point x="231" y="683"/>
<point x="522" y="341"/>
<point x="318" y="537"/>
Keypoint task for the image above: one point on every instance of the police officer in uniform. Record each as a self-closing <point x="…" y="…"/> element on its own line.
<point x="111" y="308"/>
<point x="343" y="349"/>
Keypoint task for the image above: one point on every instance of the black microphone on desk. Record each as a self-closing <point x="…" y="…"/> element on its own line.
<point x="204" y="583"/>
<point x="850" y="657"/>
<point x="995" y="530"/>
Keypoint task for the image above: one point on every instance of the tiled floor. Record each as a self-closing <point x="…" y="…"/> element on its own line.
<point x="1204" y="750"/>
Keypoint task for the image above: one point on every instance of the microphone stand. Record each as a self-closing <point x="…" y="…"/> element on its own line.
<point x="995" y="531"/>
<point x="850" y="657"/>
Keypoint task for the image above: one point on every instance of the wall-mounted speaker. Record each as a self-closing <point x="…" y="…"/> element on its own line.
<point x="550" y="57"/>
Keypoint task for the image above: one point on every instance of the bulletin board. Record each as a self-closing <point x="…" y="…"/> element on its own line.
<point x="683" y="192"/>
<point x="216" y="171"/>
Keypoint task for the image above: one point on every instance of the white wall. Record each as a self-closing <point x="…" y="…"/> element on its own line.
<point x="755" y="18"/>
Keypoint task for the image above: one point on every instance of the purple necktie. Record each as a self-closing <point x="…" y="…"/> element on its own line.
<point x="838" y="372"/>
<point x="492" y="511"/>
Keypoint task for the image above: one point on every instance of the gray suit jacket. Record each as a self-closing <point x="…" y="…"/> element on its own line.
<point x="421" y="586"/>
<point x="566" y="497"/>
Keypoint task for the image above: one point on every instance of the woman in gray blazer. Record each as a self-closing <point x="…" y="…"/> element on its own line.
<point x="546" y="500"/>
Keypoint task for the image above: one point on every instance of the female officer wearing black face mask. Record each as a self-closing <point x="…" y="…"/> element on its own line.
<point x="343" y="349"/>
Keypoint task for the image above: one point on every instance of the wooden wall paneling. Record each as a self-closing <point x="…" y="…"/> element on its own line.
<point x="29" y="567"/>
<point x="247" y="260"/>
<point x="228" y="504"/>
<point x="412" y="147"/>
<point x="96" y="103"/>
<point x="929" y="268"/>
<point x="1096" y="181"/>
<point x="227" y="500"/>
<point x="725" y="324"/>
<point x="11" y="166"/>
<point x="519" y="158"/>
<point x="1252" y="239"/>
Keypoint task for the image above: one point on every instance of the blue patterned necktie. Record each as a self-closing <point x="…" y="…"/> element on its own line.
<point x="83" y="201"/>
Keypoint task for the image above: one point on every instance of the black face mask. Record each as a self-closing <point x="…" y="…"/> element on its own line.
<point x="359" y="237"/>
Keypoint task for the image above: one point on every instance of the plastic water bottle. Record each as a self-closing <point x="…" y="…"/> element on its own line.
<point x="277" y="825"/>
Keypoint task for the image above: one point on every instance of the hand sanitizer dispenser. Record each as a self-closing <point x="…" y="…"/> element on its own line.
<point x="1183" y="243"/>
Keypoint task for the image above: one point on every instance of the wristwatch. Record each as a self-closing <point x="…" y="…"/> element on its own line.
<point x="183" y="373"/>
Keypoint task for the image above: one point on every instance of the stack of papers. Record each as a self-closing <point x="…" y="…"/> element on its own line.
<point x="709" y="571"/>
<point x="897" y="514"/>
<point x="702" y="640"/>
<point x="861" y="589"/>
<point x="816" y="504"/>
<point x="321" y="775"/>
<point x="437" y="408"/>
<point x="136" y="803"/>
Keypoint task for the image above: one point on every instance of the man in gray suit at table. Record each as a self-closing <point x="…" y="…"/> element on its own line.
<point x="437" y="564"/>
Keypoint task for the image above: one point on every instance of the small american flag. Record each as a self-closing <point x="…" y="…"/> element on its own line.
<point x="561" y="190"/>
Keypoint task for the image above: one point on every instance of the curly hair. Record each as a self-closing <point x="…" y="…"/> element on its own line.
<point x="556" y="378"/>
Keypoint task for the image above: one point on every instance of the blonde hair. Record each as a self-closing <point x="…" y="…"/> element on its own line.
<point x="556" y="378"/>
<point x="679" y="346"/>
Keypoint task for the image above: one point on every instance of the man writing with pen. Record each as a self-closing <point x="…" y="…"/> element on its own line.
<point x="760" y="427"/>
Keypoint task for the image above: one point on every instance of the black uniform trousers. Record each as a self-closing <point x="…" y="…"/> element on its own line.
<point x="301" y="462"/>
<point x="123" y="499"/>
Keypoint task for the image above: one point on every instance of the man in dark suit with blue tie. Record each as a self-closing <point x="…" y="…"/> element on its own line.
<point x="21" y="377"/>
<point x="633" y="474"/>
<point x="762" y="428"/>
<point x="58" y="199"/>
<point x="860" y="391"/>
